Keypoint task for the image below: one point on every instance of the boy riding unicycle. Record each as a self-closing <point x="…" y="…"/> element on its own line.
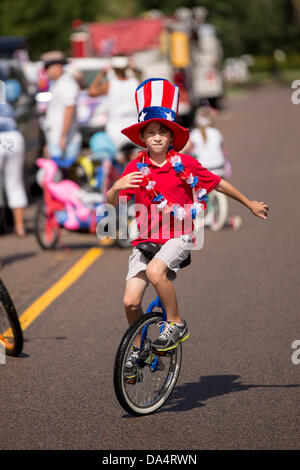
<point x="169" y="189"/>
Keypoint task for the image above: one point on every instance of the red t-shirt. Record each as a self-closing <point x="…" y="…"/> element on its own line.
<point x="153" y="224"/>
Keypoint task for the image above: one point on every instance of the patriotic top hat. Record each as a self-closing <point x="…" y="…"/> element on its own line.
<point x="157" y="100"/>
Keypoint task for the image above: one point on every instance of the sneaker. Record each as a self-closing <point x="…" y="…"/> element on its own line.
<point x="171" y="335"/>
<point x="146" y="357"/>
<point x="130" y="368"/>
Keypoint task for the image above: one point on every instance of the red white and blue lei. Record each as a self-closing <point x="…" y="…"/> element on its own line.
<point x="185" y="174"/>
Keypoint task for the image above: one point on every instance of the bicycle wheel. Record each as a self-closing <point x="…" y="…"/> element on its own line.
<point x="217" y="211"/>
<point x="10" y="329"/>
<point x="156" y="375"/>
<point x="46" y="228"/>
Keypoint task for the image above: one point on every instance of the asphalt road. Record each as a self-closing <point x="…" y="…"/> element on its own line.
<point x="238" y="387"/>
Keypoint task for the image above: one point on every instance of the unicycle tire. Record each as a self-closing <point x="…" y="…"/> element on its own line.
<point x="11" y="334"/>
<point x="156" y="374"/>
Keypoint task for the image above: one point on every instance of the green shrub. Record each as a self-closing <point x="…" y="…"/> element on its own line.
<point x="267" y="63"/>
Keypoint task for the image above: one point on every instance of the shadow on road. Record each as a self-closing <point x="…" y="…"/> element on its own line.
<point x="194" y="394"/>
<point x="79" y="246"/>
<point x="42" y="338"/>
<point x="12" y="258"/>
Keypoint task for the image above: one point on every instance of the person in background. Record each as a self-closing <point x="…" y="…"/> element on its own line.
<point x="119" y="87"/>
<point x="12" y="156"/>
<point x="206" y="142"/>
<point x="63" y="139"/>
<point x="75" y="71"/>
<point x="129" y="152"/>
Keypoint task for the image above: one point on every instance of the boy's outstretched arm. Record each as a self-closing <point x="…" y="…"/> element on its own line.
<point x="129" y="181"/>
<point x="260" y="209"/>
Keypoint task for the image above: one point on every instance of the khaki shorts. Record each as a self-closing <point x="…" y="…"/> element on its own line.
<point x="173" y="252"/>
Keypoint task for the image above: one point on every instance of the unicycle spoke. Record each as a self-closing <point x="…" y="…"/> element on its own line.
<point x="150" y="388"/>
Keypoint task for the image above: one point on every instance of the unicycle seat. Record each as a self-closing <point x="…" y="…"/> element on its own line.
<point x="149" y="250"/>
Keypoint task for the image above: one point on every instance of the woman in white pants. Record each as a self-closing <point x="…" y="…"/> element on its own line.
<point x="12" y="154"/>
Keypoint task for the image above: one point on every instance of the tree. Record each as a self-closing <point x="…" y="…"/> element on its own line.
<point x="255" y="26"/>
<point x="48" y="25"/>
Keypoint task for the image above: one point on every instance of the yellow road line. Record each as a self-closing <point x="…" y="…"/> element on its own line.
<point x="59" y="287"/>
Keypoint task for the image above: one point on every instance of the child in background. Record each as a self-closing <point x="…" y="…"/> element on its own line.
<point x="206" y="142"/>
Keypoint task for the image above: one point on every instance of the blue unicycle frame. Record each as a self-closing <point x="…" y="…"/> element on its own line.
<point x="156" y="303"/>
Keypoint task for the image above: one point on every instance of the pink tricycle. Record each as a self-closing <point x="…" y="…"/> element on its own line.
<point x="66" y="205"/>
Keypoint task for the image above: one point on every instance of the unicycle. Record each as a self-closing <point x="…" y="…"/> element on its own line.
<point x="10" y="329"/>
<point x="156" y="373"/>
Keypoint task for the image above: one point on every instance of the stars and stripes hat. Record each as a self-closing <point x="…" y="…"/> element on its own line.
<point x="157" y="100"/>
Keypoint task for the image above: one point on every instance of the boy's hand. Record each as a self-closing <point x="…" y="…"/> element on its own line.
<point x="132" y="180"/>
<point x="260" y="209"/>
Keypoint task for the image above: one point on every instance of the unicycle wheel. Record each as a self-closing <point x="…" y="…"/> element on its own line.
<point x="154" y="377"/>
